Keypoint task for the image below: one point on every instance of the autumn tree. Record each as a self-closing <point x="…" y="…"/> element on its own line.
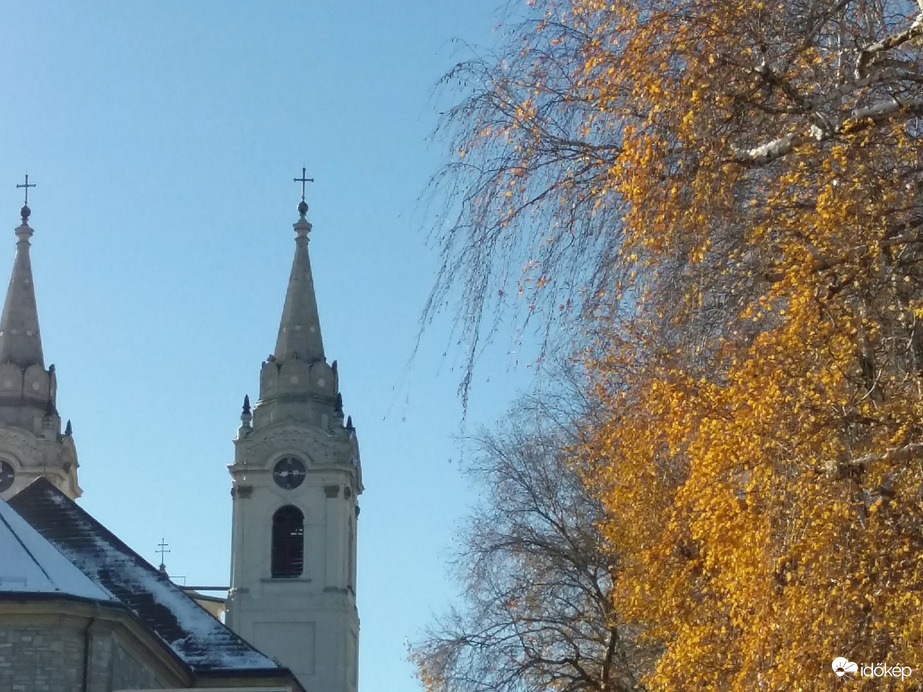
<point x="537" y="611"/>
<point x="730" y="192"/>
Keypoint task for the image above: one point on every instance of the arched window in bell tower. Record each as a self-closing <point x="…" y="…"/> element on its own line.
<point x="287" y="542"/>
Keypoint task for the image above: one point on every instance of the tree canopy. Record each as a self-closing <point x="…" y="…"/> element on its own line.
<point x="538" y="610"/>
<point x="729" y="192"/>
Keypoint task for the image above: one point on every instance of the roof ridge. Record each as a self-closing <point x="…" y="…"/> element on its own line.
<point x="202" y="641"/>
<point x="44" y="568"/>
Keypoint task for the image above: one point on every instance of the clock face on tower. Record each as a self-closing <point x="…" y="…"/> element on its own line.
<point x="6" y="476"/>
<point x="288" y="473"/>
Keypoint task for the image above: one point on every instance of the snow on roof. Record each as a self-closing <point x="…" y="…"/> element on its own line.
<point x="200" y="640"/>
<point x="30" y="564"/>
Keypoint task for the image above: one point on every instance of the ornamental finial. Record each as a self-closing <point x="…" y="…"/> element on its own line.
<point x="25" y="212"/>
<point x="303" y="206"/>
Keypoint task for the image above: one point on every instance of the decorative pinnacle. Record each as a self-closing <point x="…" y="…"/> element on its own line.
<point x="245" y="418"/>
<point x="25" y="212"/>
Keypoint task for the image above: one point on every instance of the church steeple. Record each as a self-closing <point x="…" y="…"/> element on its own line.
<point x="296" y="479"/>
<point x="31" y="441"/>
<point x="299" y="330"/>
<point x="20" y="340"/>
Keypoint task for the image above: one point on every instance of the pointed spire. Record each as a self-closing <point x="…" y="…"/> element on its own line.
<point x="246" y="420"/>
<point x="299" y="330"/>
<point x="20" y="341"/>
<point x="245" y="416"/>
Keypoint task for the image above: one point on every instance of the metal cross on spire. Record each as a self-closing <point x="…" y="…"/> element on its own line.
<point x="303" y="179"/>
<point x="163" y="550"/>
<point x="26" y="185"/>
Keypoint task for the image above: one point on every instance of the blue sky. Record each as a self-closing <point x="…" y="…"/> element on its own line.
<point x="164" y="138"/>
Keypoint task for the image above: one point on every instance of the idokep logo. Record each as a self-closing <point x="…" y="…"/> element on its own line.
<point x="843" y="666"/>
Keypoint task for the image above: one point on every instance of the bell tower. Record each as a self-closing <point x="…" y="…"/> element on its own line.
<point x="295" y="480"/>
<point x="31" y="441"/>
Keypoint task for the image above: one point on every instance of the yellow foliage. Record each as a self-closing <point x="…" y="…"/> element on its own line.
<point x="762" y="527"/>
<point x="753" y="172"/>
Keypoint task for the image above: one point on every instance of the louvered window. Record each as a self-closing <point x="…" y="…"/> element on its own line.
<point x="287" y="542"/>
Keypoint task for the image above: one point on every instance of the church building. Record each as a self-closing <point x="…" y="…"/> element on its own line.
<point x="80" y="610"/>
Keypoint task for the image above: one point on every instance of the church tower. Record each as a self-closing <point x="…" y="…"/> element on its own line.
<point x="296" y="477"/>
<point x="31" y="442"/>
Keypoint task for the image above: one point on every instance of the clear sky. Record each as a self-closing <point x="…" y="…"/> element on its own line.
<point x="163" y="137"/>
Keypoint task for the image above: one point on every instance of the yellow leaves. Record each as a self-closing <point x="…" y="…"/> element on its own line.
<point x="765" y="332"/>
<point x="736" y="539"/>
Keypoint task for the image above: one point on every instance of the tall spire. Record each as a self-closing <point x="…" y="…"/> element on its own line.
<point x="31" y="443"/>
<point x="299" y="330"/>
<point x="20" y="340"/>
<point x="296" y="476"/>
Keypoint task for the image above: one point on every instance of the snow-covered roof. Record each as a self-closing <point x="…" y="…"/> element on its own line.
<point x="201" y="641"/>
<point x="32" y="565"/>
